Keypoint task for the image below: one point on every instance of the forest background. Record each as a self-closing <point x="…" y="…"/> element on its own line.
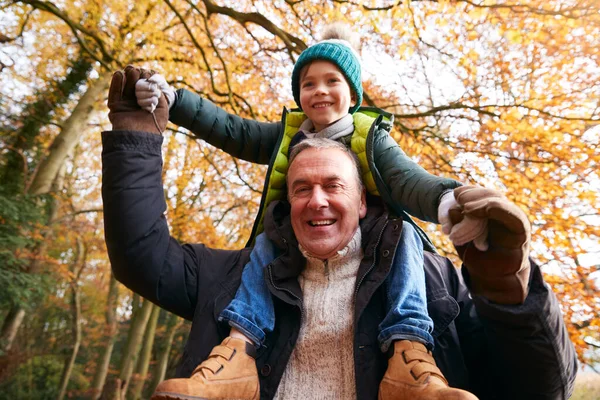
<point x="504" y="94"/>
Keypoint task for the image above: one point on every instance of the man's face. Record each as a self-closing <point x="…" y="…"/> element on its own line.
<point x="325" y="95"/>
<point x="326" y="200"/>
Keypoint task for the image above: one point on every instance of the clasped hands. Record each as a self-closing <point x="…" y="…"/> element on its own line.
<point x="124" y="112"/>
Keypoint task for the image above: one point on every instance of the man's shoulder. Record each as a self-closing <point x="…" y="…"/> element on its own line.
<point x="209" y="257"/>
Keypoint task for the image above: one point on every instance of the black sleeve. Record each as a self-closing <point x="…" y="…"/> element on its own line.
<point x="525" y="351"/>
<point x="143" y="255"/>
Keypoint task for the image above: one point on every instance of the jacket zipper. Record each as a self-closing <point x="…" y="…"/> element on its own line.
<point x="373" y="264"/>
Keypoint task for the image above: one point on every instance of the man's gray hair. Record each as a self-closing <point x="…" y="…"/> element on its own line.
<point x="323" y="143"/>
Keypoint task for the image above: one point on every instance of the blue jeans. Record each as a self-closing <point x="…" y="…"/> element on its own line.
<point x="252" y="311"/>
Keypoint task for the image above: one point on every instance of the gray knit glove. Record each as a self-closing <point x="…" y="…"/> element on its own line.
<point x="469" y="229"/>
<point x="148" y="91"/>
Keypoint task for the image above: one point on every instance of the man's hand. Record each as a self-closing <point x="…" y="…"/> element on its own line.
<point x="501" y="273"/>
<point x="125" y="114"/>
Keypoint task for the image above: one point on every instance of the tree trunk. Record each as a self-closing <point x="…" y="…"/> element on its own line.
<point x="79" y="264"/>
<point x="48" y="174"/>
<point x="172" y="325"/>
<point x="132" y="348"/>
<point x="145" y="356"/>
<point x="72" y="130"/>
<point x="111" y="336"/>
<point x="11" y="325"/>
<point x="35" y="116"/>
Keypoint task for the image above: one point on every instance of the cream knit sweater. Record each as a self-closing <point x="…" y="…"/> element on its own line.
<point x="322" y="363"/>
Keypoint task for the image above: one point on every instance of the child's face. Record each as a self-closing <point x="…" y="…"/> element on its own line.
<point x="325" y="95"/>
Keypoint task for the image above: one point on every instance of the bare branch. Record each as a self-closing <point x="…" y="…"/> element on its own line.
<point x="76" y="28"/>
<point x="294" y="44"/>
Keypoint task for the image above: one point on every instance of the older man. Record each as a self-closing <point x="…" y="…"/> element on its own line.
<point x="494" y="350"/>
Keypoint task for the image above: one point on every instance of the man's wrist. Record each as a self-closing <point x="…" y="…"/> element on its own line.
<point x="127" y="140"/>
<point x="139" y="121"/>
<point x="501" y="287"/>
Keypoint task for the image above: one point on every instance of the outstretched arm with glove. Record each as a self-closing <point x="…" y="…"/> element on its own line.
<point x="528" y="352"/>
<point x="143" y="255"/>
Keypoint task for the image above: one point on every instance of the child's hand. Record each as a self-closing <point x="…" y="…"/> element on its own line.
<point x="471" y="229"/>
<point x="468" y="229"/>
<point x="447" y="202"/>
<point x="148" y="91"/>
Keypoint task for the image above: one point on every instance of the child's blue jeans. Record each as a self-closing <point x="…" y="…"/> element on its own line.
<point x="252" y="311"/>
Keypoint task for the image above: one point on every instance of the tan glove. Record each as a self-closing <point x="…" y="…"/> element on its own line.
<point x="125" y="114"/>
<point x="501" y="273"/>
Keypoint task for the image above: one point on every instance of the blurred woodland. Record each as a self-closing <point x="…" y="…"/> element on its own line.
<point x="501" y="93"/>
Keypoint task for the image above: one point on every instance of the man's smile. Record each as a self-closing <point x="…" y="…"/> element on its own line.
<point x="323" y="222"/>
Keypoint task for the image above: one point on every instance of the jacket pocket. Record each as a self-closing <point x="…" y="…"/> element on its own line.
<point x="442" y="309"/>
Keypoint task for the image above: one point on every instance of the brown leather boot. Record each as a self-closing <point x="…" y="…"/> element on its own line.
<point x="413" y="375"/>
<point x="228" y="373"/>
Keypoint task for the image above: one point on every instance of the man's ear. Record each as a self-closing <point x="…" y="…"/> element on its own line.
<point x="362" y="212"/>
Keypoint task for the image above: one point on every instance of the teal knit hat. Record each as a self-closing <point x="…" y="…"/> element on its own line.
<point x="338" y="52"/>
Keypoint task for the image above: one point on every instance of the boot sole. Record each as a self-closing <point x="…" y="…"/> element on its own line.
<point x="177" y="396"/>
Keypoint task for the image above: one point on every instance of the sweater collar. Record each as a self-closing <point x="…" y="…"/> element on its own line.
<point x="343" y="265"/>
<point x="351" y="249"/>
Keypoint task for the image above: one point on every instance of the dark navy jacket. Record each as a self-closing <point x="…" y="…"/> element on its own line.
<point x="495" y="351"/>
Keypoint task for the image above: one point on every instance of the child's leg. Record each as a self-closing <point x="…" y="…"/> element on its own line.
<point x="251" y="312"/>
<point x="230" y="370"/>
<point x="412" y="373"/>
<point x="407" y="317"/>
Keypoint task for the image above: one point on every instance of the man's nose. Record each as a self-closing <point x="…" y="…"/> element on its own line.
<point x="318" y="199"/>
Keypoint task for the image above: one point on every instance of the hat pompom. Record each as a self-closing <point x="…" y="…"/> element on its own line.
<point x="341" y="31"/>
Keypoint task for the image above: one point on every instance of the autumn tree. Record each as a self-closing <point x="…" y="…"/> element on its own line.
<point x="501" y="94"/>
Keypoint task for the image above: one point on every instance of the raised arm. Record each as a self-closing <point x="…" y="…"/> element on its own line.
<point x="527" y="353"/>
<point x="144" y="257"/>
